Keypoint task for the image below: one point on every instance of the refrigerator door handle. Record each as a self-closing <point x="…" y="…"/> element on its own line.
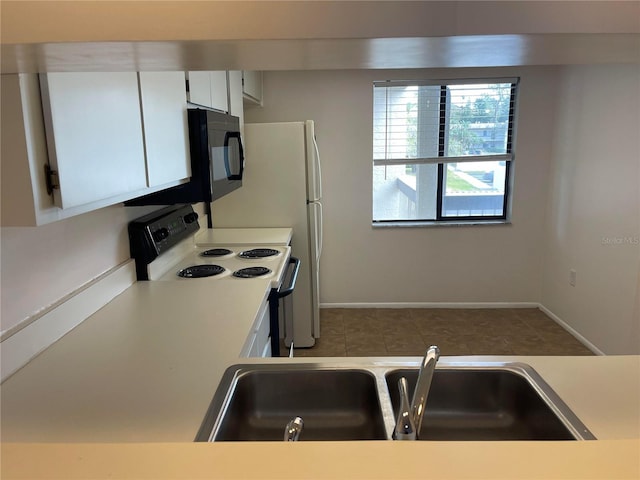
<point x="320" y="233"/>
<point x="318" y="170"/>
<point x="316" y="244"/>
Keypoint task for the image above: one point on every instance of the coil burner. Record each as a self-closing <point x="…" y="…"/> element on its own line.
<point x="251" y="272"/>
<point x="216" y="252"/>
<point x="201" y="271"/>
<point x="259" y="253"/>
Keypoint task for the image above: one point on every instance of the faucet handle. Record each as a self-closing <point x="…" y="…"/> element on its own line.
<point x="293" y="429"/>
<point x="405" y="426"/>
<point x="435" y="351"/>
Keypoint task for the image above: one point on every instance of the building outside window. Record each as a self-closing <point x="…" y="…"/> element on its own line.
<point x="442" y="150"/>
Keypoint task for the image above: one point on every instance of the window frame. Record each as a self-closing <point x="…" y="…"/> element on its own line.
<point x="508" y="157"/>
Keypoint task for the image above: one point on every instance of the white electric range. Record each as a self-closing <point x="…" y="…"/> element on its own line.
<point x="164" y="247"/>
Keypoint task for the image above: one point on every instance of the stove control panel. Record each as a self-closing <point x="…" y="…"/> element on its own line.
<point x="157" y="232"/>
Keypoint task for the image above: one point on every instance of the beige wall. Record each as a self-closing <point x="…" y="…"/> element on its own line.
<point x="594" y="207"/>
<point x="41" y="265"/>
<point x="444" y="264"/>
<point x="564" y="158"/>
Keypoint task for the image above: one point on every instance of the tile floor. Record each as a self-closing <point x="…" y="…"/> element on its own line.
<point x="399" y="332"/>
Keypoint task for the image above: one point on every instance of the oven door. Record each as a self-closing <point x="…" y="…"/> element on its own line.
<point x="277" y="299"/>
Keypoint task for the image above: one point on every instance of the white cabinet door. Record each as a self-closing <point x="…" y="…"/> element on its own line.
<point x="166" y="133"/>
<point x="252" y="85"/>
<point x="258" y="342"/>
<point x="200" y="88"/>
<point x="219" y="91"/>
<point x="263" y="336"/>
<point x="94" y="135"/>
<point x="209" y="89"/>
<point x="236" y="106"/>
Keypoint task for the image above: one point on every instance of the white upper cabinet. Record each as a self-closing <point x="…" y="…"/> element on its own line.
<point x="200" y="88"/>
<point x="166" y="133"/>
<point x="236" y="106"/>
<point x="209" y="89"/>
<point x="252" y="86"/>
<point x="109" y="137"/>
<point x="219" y="91"/>
<point x="94" y="135"/>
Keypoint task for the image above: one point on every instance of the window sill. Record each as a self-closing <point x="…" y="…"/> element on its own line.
<point x="429" y="224"/>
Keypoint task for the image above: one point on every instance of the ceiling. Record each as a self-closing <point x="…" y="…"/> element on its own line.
<point x="299" y="35"/>
<point x="437" y="52"/>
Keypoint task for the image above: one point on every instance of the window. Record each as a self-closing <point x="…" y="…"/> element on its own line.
<point x="442" y="150"/>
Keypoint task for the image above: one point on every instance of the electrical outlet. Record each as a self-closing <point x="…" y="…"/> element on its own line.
<point x="572" y="278"/>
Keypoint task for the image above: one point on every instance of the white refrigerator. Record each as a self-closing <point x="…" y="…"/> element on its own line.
<point x="282" y="187"/>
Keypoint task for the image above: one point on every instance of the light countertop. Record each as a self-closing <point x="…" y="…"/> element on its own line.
<point x="606" y="460"/>
<point x="610" y="410"/>
<point x="124" y="393"/>
<point x="146" y="371"/>
<point x="143" y="368"/>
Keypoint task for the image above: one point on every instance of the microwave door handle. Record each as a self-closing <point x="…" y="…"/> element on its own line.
<point x="241" y="152"/>
<point x="227" y="137"/>
<point x="225" y="149"/>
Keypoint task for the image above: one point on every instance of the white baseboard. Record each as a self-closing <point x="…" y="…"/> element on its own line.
<point x="571" y="330"/>
<point x="433" y="305"/>
<point x="23" y="344"/>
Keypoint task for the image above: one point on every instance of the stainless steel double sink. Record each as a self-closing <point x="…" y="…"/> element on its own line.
<point x="467" y="401"/>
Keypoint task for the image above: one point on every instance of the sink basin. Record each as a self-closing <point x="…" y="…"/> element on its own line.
<point x="334" y="404"/>
<point x="487" y="404"/>
<point x="357" y="401"/>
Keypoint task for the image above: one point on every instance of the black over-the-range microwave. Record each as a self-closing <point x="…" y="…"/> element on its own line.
<point x="217" y="161"/>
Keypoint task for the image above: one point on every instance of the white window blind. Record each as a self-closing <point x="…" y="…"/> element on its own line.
<point x="426" y="122"/>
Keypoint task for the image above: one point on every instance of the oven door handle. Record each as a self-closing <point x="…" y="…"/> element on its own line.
<point x="292" y="282"/>
<point x="274" y="306"/>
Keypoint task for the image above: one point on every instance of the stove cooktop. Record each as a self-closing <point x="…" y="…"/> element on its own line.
<point x="237" y="263"/>
<point x="163" y="246"/>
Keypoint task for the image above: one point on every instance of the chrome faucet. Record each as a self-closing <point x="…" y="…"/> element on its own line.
<point x="409" y="418"/>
